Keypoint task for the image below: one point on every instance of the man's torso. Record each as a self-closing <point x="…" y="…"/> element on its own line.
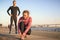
<point x="14" y="10"/>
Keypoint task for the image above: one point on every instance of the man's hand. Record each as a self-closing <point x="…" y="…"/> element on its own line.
<point x="10" y="14"/>
<point x="16" y="15"/>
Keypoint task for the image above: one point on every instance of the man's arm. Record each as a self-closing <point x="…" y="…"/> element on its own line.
<point x="18" y="11"/>
<point x="8" y="10"/>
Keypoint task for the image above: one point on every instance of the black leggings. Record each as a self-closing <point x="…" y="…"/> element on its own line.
<point x="15" y="22"/>
<point x="22" y="28"/>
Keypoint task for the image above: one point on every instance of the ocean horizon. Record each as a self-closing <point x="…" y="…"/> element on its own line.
<point x="53" y="29"/>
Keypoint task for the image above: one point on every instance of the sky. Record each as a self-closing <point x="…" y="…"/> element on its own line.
<point x="41" y="11"/>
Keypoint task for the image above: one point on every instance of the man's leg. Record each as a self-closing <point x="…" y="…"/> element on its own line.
<point x="11" y="22"/>
<point x="15" y="21"/>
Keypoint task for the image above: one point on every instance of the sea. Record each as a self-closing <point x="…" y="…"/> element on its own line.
<point x="55" y="29"/>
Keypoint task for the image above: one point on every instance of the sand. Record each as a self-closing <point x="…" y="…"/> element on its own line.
<point x="35" y="35"/>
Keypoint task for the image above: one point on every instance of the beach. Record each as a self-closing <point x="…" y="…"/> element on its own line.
<point x="35" y="35"/>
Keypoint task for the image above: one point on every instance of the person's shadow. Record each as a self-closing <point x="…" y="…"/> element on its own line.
<point x="9" y="36"/>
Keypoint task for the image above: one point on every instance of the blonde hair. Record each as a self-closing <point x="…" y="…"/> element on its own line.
<point x="26" y="11"/>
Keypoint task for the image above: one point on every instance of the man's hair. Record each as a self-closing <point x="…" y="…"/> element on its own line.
<point x="26" y="11"/>
<point x="14" y="1"/>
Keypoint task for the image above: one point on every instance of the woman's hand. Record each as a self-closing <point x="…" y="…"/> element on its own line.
<point x="20" y="35"/>
<point x="24" y="34"/>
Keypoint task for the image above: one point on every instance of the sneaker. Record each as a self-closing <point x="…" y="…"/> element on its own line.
<point x="9" y="32"/>
<point x="16" y="33"/>
<point x="21" y="39"/>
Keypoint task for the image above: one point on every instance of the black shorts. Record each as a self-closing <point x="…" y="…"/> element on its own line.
<point x="23" y="28"/>
<point x="28" y="33"/>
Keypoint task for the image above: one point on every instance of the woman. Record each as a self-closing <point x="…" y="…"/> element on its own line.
<point x="24" y="25"/>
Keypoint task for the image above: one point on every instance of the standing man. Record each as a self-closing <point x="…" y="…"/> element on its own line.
<point x="13" y="15"/>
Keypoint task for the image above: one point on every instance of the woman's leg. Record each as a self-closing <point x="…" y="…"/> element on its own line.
<point x="28" y="33"/>
<point x="21" y="27"/>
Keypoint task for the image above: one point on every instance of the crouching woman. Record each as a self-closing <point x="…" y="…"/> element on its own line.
<point x="24" y="25"/>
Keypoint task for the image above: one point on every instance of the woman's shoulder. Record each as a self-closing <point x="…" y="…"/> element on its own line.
<point x="30" y="17"/>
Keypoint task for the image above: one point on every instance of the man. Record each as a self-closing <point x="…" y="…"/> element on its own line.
<point x="24" y="25"/>
<point x="13" y="15"/>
